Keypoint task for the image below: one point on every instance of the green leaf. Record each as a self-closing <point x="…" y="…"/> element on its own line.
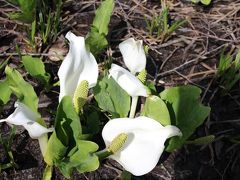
<point x="67" y="132"/>
<point x="195" y="1"/>
<point x="186" y="112"/>
<point x="56" y="150"/>
<point x="36" y="68"/>
<point x="125" y="175"/>
<point x="206" y="2"/>
<point x="47" y="174"/>
<point x="155" y="108"/>
<point x="22" y="89"/>
<point x="96" y="39"/>
<point x="202" y="140"/>
<point x="111" y="97"/>
<point x="102" y="17"/>
<point x="27" y="14"/>
<point x="84" y="159"/>
<point x="175" y="26"/>
<point x="228" y="71"/>
<point x="92" y="122"/>
<point x="96" y="42"/>
<point x="27" y="5"/>
<point x="5" y="92"/>
<point x="68" y="127"/>
<point x="4" y="64"/>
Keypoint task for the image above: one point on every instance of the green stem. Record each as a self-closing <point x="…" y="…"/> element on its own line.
<point x="43" y="140"/>
<point x="103" y="154"/>
<point x="125" y="175"/>
<point x="133" y="106"/>
<point x="5" y="166"/>
<point x="47" y="174"/>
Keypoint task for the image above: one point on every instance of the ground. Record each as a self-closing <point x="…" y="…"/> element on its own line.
<point x="190" y="56"/>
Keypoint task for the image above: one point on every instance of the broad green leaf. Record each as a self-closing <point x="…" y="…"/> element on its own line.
<point x="92" y="122"/>
<point x="103" y="15"/>
<point x="22" y="89"/>
<point x="195" y="1"/>
<point x="27" y="14"/>
<point x="151" y="87"/>
<point x="83" y="160"/>
<point x="5" y="92"/>
<point x="155" y="108"/>
<point x="27" y="5"/>
<point x="96" y="42"/>
<point x="55" y="150"/>
<point x="47" y="174"/>
<point x="102" y="97"/>
<point x="206" y="2"/>
<point x="202" y="140"/>
<point x="36" y="68"/>
<point x="125" y="175"/>
<point x="67" y="132"/>
<point x="111" y="97"/>
<point x="186" y="112"/>
<point x="120" y="99"/>
<point x="96" y="39"/>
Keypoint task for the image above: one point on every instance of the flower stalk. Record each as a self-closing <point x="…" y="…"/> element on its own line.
<point x="133" y="106"/>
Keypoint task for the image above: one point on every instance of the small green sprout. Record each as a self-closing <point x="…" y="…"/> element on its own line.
<point x="7" y="144"/>
<point x="159" y="25"/>
<point x="228" y="71"/>
<point x="205" y="2"/>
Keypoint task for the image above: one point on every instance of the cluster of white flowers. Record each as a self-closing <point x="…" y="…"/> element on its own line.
<point x="145" y="136"/>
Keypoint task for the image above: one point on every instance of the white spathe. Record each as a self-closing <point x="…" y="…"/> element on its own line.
<point x="25" y="117"/>
<point x="131" y="84"/>
<point x="133" y="55"/>
<point x="144" y="145"/>
<point x="78" y="65"/>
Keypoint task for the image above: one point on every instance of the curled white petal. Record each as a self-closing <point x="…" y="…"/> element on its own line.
<point x="78" y="65"/>
<point x="22" y="115"/>
<point x="35" y="130"/>
<point x="25" y="117"/>
<point x="144" y="145"/>
<point x="131" y="84"/>
<point x="133" y="55"/>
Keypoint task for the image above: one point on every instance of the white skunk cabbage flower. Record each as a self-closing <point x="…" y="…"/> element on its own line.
<point x="133" y="55"/>
<point x="24" y="116"/>
<point x="144" y="144"/>
<point x="127" y="81"/>
<point x="78" y="65"/>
